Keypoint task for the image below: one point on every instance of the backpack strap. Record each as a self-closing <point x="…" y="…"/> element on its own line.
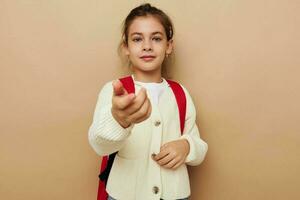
<point x="181" y="101"/>
<point x="128" y="84"/>
<point x="102" y="194"/>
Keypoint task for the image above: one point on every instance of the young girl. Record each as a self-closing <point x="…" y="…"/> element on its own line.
<point x="144" y="127"/>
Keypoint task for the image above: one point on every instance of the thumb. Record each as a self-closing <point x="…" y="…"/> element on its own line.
<point x="118" y="88"/>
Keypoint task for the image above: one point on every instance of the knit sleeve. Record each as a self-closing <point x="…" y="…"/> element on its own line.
<point x="198" y="147"/>
<point x="105" y="134"/>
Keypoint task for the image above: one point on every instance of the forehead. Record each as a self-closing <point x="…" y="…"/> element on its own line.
<point x="146" y="25"/>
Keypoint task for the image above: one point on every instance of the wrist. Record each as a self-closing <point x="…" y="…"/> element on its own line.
<point x="122" y="123"/>
<point x="187" y="145"/>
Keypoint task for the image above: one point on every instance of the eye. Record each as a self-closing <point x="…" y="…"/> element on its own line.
<point x="157" y="39"/>
<point x="136" y="39"/>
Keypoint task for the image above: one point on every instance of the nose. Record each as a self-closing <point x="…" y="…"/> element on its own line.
<point x="147" y="46"/>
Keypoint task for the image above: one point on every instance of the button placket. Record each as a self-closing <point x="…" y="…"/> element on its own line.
<point x="154" y="170"/>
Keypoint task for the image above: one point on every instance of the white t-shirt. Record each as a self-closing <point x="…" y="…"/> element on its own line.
<point x="153" y="89"/>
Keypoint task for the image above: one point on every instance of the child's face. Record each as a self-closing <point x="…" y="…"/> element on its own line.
<point x="147" y="37"/>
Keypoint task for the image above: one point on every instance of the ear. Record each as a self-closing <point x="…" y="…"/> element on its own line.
<point x="125" y="49"/>
<point x="170" y="46"/>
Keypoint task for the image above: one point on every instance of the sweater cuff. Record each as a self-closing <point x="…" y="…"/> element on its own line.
<point x="110" y="129"/>
<point x="191" y="155"/>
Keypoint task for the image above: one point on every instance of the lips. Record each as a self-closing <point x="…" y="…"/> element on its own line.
<point x="147" y="57"/>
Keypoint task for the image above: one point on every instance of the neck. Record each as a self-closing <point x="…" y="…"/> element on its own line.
<point x="148" y="77"/>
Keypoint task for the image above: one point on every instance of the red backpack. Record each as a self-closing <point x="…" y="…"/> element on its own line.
<point x="107" y="161"/>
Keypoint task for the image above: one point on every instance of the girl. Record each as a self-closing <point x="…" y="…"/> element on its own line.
<point x="144" y="127"/>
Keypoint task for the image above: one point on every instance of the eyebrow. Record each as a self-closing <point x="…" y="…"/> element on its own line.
<point x="138" y="33"/>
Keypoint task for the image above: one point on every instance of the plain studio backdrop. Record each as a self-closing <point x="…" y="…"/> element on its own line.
<point x="239" y="60"/>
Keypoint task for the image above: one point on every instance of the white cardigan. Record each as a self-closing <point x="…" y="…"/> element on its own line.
<point x="134" y="174"/>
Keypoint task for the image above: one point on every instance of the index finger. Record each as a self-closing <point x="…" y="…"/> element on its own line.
<point x="118" y="88"/>
<point x="161" y="155"/>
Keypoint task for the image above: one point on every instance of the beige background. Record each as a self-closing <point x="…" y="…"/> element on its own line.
<point x="239" y="59"/>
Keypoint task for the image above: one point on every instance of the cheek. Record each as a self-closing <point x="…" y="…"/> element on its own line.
<point x="161" y="47"/>
<point x="134" y="49"/>
<point x="161" y="51"/>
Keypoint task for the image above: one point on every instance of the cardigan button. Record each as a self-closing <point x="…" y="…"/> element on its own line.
<point x="157" y="123"/>
<point x="155" y="189"/>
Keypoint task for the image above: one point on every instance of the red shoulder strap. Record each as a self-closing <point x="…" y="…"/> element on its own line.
<point x="102" y="194"/>
<point x="128" y="84"/>
<point x="181" y="101"/>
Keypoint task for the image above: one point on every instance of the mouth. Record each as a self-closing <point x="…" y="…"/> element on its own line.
<point x="147" y="58"/>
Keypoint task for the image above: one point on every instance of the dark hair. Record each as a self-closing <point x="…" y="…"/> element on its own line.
<point x="147" y="10"/>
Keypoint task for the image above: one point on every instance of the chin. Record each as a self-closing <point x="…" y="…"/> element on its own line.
<point x="147" y="67"/>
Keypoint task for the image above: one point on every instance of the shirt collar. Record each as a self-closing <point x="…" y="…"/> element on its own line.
<point x="164" y="83"/>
